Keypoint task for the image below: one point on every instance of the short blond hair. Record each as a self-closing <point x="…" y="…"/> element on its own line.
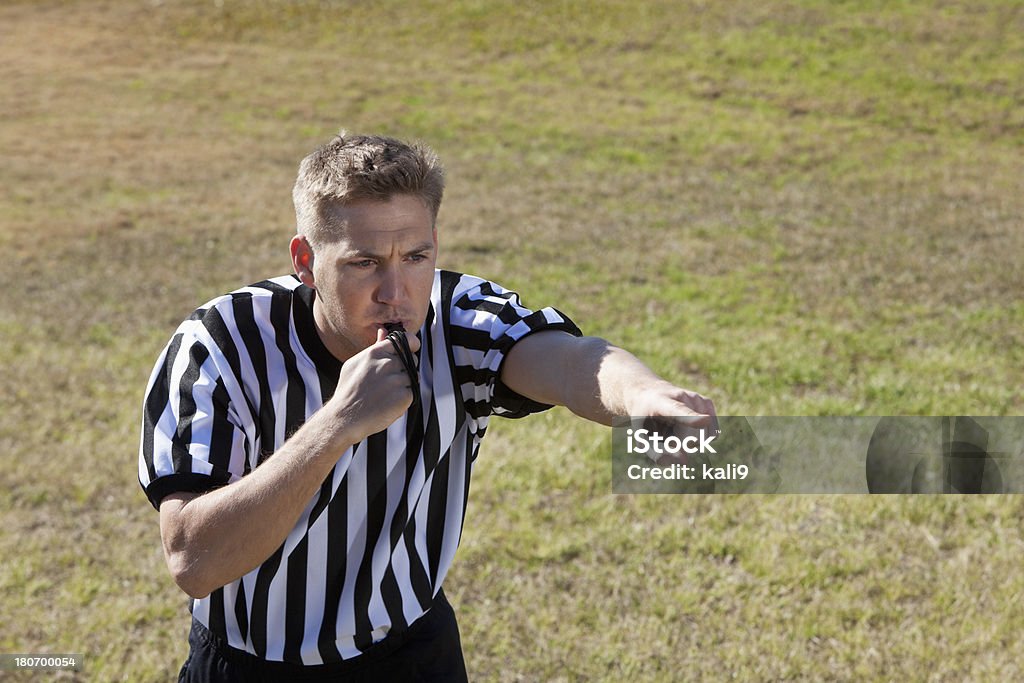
<point x="354" y="167"/>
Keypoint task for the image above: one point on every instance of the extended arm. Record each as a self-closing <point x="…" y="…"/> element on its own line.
<point x="595" y="380"/>
<point x="214" y="538"/>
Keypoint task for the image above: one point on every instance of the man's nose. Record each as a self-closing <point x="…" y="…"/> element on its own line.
<point x="390" y="289"/>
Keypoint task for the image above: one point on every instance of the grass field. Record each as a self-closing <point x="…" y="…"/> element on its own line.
<point x="794" y="207"/>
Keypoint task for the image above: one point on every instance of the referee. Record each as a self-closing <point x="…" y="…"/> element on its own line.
<point x="308" y="440"/>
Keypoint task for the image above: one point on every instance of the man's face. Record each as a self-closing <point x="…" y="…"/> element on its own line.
<point x="379" y="269"/>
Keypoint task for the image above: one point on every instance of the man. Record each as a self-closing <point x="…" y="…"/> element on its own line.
<point x="309" y="502"/>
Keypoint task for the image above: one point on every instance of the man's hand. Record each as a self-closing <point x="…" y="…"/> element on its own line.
<point x="663" y="399"/>
<point x="373" y="389"/>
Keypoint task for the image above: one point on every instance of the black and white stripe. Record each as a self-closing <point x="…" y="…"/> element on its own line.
<point x="373" y="546"/>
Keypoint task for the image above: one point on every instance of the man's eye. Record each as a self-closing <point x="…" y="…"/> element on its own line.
<point x="416" y="258"/>
<point x="365" y="263"/>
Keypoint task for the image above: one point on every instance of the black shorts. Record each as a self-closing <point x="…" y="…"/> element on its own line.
<point x="430" y="650"/>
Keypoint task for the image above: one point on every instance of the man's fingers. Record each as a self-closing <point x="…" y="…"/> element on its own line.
<point x="708" y="407"/>
<point x="691" y="418"/>
<point x="414" y="341"/>
<point x="400" y="340"/>
<point x="688" y="413"/>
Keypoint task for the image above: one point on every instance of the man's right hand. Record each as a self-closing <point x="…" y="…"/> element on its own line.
<point x="373" y="389"/>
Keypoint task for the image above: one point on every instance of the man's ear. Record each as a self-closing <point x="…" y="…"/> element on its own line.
<point x="302" y="260"/>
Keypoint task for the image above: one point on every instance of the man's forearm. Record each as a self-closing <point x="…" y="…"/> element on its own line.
<point x="594" y="379"/>
<point x="604" y="380"/>
<point x="217" y="537"/>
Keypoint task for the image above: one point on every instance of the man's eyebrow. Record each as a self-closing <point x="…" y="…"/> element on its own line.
<point x="426" y="246"/>
<point x="366" y="253"/>
<point x="361" y="253"/>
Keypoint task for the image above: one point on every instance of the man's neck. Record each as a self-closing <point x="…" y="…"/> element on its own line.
<point x="334" y="342"/>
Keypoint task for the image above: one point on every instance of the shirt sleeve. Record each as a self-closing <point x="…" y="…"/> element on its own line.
<point x="191" y="436"/>
<point x="486" y="321"/>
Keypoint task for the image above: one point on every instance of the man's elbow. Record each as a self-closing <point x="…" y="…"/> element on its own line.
<point x="181" y="553"/>
<point x="188" y="575"/>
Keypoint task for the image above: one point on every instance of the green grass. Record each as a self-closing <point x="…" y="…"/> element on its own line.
<point x="793" y="207"/>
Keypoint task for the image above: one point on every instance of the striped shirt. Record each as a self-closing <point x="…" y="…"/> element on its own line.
<point x="373" y="545"/>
